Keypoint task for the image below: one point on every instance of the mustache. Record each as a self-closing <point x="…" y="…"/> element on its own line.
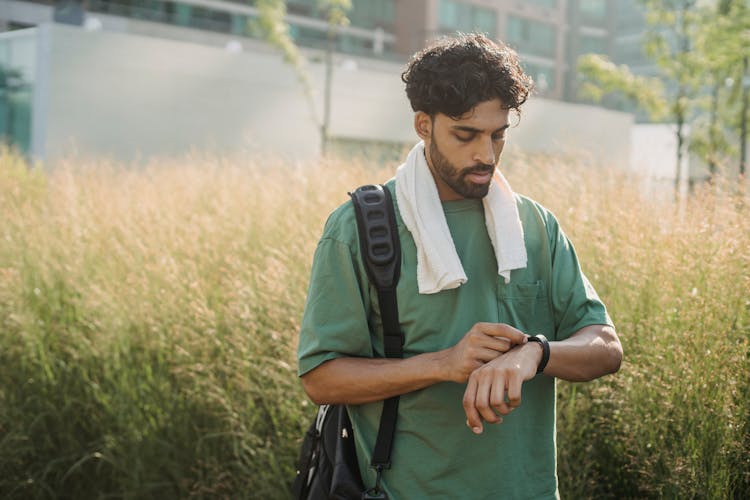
<point x="479" y="168"/>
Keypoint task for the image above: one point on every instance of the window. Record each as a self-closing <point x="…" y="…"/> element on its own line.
<point x="629" y="18"/>
<point x="302" y="7"/>
<point x="593" y="11"/>
<point x="168" y="12"/>
<point x="458" y="16"/>
<point x="549" y="4"/>
<point x="17" y="78"/>
<point x="544" y="77"/>
<point x="630" y="52"/>
<point x="370" y="14"/>
<point x="532" y="37"/>
<point x="592" y="45"/>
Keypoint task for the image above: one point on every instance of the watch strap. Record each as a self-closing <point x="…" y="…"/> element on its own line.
<point x="542" y="340"/>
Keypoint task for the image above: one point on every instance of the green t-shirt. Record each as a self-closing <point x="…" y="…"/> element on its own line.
<point x="435" y="455"/>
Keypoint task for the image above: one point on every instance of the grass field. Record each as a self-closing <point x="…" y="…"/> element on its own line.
<point x="148" y="323"/>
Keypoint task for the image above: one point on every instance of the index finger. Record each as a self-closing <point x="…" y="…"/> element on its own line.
<point x="503" y="330"/>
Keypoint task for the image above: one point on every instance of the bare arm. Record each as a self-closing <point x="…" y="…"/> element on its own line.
<point x="364" y="380"/>
<point x="591" y="352"/>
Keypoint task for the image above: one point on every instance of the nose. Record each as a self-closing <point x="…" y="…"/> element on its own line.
<point x="485" y="152"/>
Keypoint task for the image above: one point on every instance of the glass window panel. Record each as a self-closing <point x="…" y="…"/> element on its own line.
<point x="371" y="14"/>
<point x="550" y="4"/>
<point x="485" y="21"/>
<point x="515" y="30"/>
<point x="459" y="16"/>
<point x="239" y="24"/>
<point x="302" y="7"/>
<point x="592" y="45"/>
<point x="368" y="14"/>
<point x="181" y="15"/>
<point x="17" y="77"/>
<point x="629" y="18"/>
<point x="544" y="77"/>
<point x="531" y="37"/>
<point x="630" y="52"/>
<point x="447" y="13"/>
<point x="309" y="37"/>
<point x="592" y="11"/>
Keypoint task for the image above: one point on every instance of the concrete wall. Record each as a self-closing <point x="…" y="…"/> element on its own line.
<point x="654" y="159"/>
<point x="594" y="134"/>
<point x="129" y="96"/>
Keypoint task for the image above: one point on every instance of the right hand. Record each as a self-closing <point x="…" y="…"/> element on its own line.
<point x="482" y="343"/>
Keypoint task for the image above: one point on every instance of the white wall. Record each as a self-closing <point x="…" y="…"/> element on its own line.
<point x="130" y="96"/>
<point x="655" y="152"/>
<point x="654" y="158"/>
<point x="592" y="133"/>
<point x="371" y="104"/>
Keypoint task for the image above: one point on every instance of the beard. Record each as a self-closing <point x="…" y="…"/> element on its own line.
<point x="455" y="177"/>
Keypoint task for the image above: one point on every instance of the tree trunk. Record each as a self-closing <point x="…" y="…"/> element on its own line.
<point x="713" y="146"/>
<point x="325" y="127"/>
<point x="680" y="122"/>
<point x="743" y="118"/>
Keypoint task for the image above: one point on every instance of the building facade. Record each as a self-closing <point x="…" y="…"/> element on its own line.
<point x="548" y="34"/>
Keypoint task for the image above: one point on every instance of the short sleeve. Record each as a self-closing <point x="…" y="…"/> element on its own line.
<point x="575" y="303"/>
<point x="334" y="323"/>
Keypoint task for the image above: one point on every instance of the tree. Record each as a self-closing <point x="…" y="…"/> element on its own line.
<point x="701" y="49"/>
<point x="734" y="40"/>
<point x="723" y="43"/>
<point x="271" y="25"/>
<point x="673" y="25"/>
<point x="601" y="77"/>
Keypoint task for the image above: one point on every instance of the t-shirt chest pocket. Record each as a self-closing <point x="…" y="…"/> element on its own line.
<point x="525" y="306"/>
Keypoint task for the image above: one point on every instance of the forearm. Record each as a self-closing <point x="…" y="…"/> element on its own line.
<point x="591" y="352"/>
<point x="364" y="380"/>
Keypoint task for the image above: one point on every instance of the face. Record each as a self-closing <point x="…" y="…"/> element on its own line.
<point x="462" y="153"/>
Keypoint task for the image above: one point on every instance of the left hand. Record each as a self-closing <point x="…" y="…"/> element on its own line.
<point x="488" y="386"/>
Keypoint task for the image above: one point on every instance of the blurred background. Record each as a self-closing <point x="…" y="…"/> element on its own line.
<point x="171" y="166"/>
<point x="130" y="79"/>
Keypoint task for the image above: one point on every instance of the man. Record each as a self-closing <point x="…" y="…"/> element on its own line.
<point x="483" y="269"/>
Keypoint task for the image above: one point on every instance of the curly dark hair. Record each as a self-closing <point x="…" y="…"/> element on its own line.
<point x="454" y="74"/>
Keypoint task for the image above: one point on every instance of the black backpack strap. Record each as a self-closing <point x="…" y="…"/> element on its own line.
<point x="381" y="252"/>
<point x="378" y="235"/>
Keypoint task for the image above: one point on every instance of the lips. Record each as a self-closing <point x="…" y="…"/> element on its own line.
<point x="479" y="177"/>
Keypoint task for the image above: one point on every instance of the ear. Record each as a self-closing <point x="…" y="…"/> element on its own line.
<point x="423" y="125"/>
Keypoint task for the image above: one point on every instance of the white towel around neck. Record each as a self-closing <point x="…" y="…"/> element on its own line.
<point x="438" y="264"/>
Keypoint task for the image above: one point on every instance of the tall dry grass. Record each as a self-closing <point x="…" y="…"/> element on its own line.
<point x="149" y="321"/>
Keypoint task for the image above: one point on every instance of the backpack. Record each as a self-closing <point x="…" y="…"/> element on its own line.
<point x="327" y="465"/>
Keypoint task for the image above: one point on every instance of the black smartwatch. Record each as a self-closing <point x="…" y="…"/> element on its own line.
<point x="545" y="350"/>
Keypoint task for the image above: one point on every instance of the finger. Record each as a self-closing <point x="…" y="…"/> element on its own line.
<point x="486" y="354"/>
<point x="514" y="391"/>
<point x="473" y="420"/>
<point x="500" y="344"/>
<point x="502" y="330"/>
<point x="497" y="397"/>
<point x="497" y="344"/>
<point x="485" y="386"/>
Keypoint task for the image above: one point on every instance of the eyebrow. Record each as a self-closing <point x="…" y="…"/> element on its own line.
<point x="466" y="128"/>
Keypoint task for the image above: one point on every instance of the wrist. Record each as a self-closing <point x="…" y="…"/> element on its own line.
<point x="442" y="369"/>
